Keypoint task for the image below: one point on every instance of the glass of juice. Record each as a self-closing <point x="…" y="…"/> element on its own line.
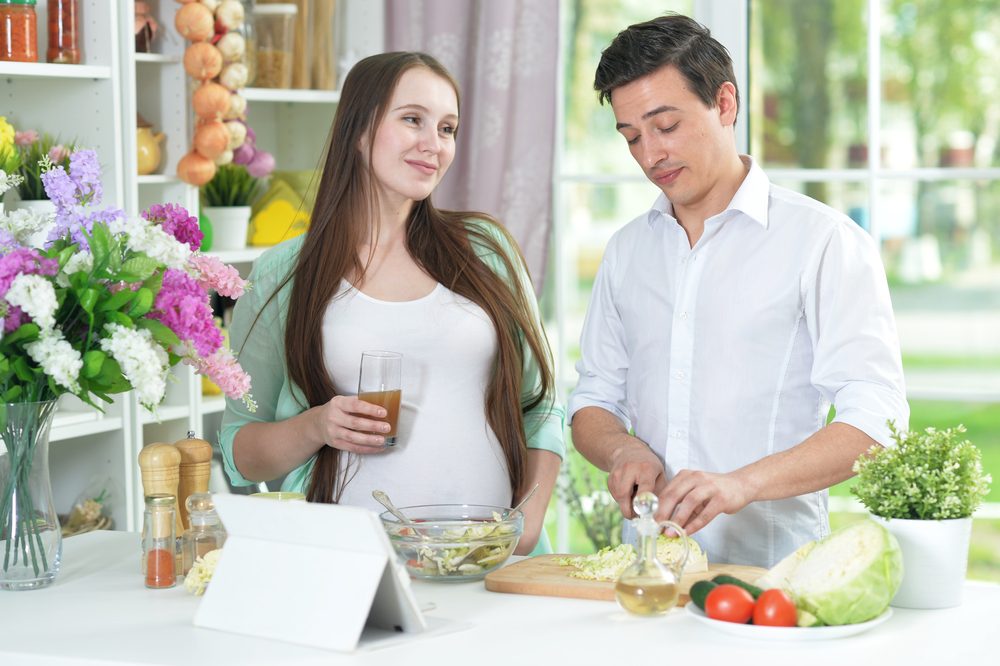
<point x="381" y="384"/>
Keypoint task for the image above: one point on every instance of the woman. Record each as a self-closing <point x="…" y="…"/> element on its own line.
<point x="381" y="268"/>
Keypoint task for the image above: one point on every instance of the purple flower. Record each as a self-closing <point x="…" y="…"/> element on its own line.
<point x="60" y="188"/>
<point x="76" y="223"/>
<point x="182" y="306"/>
<point x="21" y="261"/>
<point x="177" y="222"/>
<point x="86" y="173"/>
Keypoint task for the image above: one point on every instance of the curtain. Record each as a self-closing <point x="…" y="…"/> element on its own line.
<point x="503" y="55"/>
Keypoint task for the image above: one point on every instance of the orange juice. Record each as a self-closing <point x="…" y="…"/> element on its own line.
<point x="390" y="400"/>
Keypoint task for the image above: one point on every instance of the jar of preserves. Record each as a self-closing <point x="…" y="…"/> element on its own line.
<point x="159" y="544"/>
<point x="63" y="24"/>
<point x="18" y="31"/>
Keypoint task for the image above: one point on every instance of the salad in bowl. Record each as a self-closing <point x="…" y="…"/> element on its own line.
<point x="453" y="542"/>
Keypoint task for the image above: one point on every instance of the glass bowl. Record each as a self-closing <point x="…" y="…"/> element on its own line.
<point x="453" y="542"/>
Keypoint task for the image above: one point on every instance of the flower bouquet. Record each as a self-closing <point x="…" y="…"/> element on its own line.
<point x="107" y="304"/>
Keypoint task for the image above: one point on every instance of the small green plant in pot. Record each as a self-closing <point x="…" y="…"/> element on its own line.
<point x="226" y="201"/>
<point x="925" y="488"/>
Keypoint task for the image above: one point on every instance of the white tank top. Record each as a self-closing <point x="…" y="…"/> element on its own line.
<point x="446" y="451"/>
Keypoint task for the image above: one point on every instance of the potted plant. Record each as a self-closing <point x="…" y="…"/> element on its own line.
<point x="226" y="201"/>
<point x="925" y="489"/>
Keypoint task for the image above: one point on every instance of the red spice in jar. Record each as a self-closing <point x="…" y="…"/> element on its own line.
<point x="63" y="28"/>
<point x="160" y="568"/>
<point x="18" y="32"/>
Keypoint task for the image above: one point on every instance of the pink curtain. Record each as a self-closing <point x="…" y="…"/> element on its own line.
<point x="503" y="54"/>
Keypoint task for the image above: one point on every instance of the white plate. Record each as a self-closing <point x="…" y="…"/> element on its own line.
<point x="786" y="633"/>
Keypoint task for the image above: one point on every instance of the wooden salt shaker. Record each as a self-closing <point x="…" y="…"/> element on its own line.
<point x="195" y="468"/>
<point x="159" y="464"/>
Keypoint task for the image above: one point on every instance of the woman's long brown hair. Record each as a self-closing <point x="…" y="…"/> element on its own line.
<point x="441" y="242"/>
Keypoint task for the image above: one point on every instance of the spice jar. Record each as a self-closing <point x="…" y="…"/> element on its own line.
<point x="159" y="542"/>
<point x="18" y="31"/>
<point x="206" y="532"/>
<point x="64" y="32"/>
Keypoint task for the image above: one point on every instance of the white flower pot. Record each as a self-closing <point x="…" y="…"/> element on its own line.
<point x="230" y="226"/>
<point x="935" y="559"/>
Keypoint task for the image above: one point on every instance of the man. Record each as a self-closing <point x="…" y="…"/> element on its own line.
<point x="726" y="320"/>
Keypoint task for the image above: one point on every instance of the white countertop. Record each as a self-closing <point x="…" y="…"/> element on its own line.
<point x="99" y="612"/>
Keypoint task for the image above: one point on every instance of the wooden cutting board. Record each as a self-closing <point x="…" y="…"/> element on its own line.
<point x="542" y="575"/>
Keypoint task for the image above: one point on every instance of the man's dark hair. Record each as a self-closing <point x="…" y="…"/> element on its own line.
<point x="672" y="39"/>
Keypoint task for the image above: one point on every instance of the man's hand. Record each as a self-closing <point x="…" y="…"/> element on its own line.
<point x="634" y="469"/>
<point x="692" y="499"/>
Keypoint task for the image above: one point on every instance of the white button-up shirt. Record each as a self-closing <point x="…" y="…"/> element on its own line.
<point x="724" y="353"/>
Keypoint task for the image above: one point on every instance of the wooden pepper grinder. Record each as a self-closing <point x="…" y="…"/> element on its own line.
<point x="196" y="461"/>
<point x="160" y="464"/>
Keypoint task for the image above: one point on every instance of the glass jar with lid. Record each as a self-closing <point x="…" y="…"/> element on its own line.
<point x="205" y="533"/>
<point x="159" y="543"/>
<point x="63" y="22"/>
<point x="18" y="31"/>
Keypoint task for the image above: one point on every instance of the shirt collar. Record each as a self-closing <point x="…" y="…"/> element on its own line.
<point x="751" y="198"/>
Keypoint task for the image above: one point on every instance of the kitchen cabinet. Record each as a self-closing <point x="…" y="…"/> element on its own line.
<point x="95" y="104"/>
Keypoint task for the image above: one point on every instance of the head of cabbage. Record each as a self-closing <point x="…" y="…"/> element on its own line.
<point x="848" y="577"/>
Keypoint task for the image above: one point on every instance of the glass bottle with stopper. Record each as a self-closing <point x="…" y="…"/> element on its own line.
<point x="205" y="533"/>
<point x="649" y="586"/>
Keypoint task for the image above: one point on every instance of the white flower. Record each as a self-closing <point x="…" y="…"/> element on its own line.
<point x="81" y="262"/>
<point x="8" y="181"/>
<point x="153" y="241"/>
<point x="24" y="224"/>
<point x="201" y="572"/>
<point x="58" y="359"/>
<point x="36" y="296"/>
<point x="143" y="362"/>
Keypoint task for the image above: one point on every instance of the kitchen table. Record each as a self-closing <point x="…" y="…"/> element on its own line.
<point x="99" y="612"/>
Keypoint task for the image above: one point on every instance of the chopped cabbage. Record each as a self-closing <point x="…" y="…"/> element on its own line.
<point x="608" y="563"/>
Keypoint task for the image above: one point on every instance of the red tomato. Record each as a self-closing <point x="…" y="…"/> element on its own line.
<point x="729" y="603"/>
<point x="774" y="608"/>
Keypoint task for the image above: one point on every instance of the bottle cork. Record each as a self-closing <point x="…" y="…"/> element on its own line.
<point x="195" y="468"/>
<point x="159" y="465"/>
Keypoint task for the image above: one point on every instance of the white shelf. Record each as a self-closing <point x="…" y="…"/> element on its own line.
<point x="213" y="404"/>
<point x="35" y="70"/>
<point x="164" y="413"/>
<point x="157" y="58"/>
<point x="287" y="95"/>
<point x="157" y="179"/>
<point x="64" y="426"/>
<point x="244" y="256"/>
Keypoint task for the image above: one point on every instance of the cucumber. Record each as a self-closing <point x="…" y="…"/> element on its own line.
<point x="699" y="591"/>
<point x="725" y="578"/>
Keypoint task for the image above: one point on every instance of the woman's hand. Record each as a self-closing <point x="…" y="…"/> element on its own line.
<point x="349" y="424"/>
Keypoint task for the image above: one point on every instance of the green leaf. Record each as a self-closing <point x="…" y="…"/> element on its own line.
<point x="138" y="268"/>
<point x="100" y="245"/>
<point x="161" y="333"/>
<point x="23" y="370"/>
<point x="92" y="362"/>
<point x="88" y="299"/>
<point x="142" y="304"/>
<point x="65" y="254"/>
<point x="27" y="332"/>
<point x="154" y="283"/>
<point x="117" y="300"/>
<point x="11" y="395"/>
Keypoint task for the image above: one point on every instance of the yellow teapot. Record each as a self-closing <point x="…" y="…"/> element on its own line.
<point x="148" y="148"/>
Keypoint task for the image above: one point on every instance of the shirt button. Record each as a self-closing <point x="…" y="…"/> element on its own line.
<point x="679" y="374"/>
<point x="684" y="315"/>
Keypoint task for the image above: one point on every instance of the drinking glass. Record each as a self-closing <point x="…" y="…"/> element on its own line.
<point x="381" y="384"/>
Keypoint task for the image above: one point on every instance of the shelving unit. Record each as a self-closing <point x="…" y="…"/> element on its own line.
<point x="95" y="104"/>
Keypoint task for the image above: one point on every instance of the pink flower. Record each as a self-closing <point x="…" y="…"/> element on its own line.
<point x="213" y="274"/>
<point x="182" y="306"/>
<point x="59" y="153"/>
<point x="25" y="138"/>
<point x="222" y="368"/>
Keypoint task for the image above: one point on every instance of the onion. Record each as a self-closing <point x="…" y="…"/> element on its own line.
<point x="232" y="45"/>
<point x="195" y="169"/>
<point x="244" y="153"/>
<point x="237" y="133"/>
<point x="225" y="157"/>
<point x="261" y="165"/>
<point x="211" y="101"/>
<point x="195" y="23"/>
<point x="202" y="61"/>
<point x="211" y="139"/>
<point x="229" y="14"/>
<point x="211" y="4"/>
<point x="234" y="76"/>
<point x="237" y="107"/>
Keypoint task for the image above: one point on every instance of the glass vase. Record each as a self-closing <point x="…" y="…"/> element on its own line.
<point x="30" y="535"/>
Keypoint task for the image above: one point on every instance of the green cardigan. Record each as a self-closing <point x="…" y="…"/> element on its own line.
<point x="263" y="357"/>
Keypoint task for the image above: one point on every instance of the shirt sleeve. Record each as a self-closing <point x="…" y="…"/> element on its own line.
<point x="603" y="364"/>
<point x="857" y="363"/>
<point x="544" y="423"/>
<point x="259" y="346"/>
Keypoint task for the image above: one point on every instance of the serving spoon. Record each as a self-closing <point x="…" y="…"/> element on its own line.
<point x="384" y="500"/>
<point x="524" y="499"/>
